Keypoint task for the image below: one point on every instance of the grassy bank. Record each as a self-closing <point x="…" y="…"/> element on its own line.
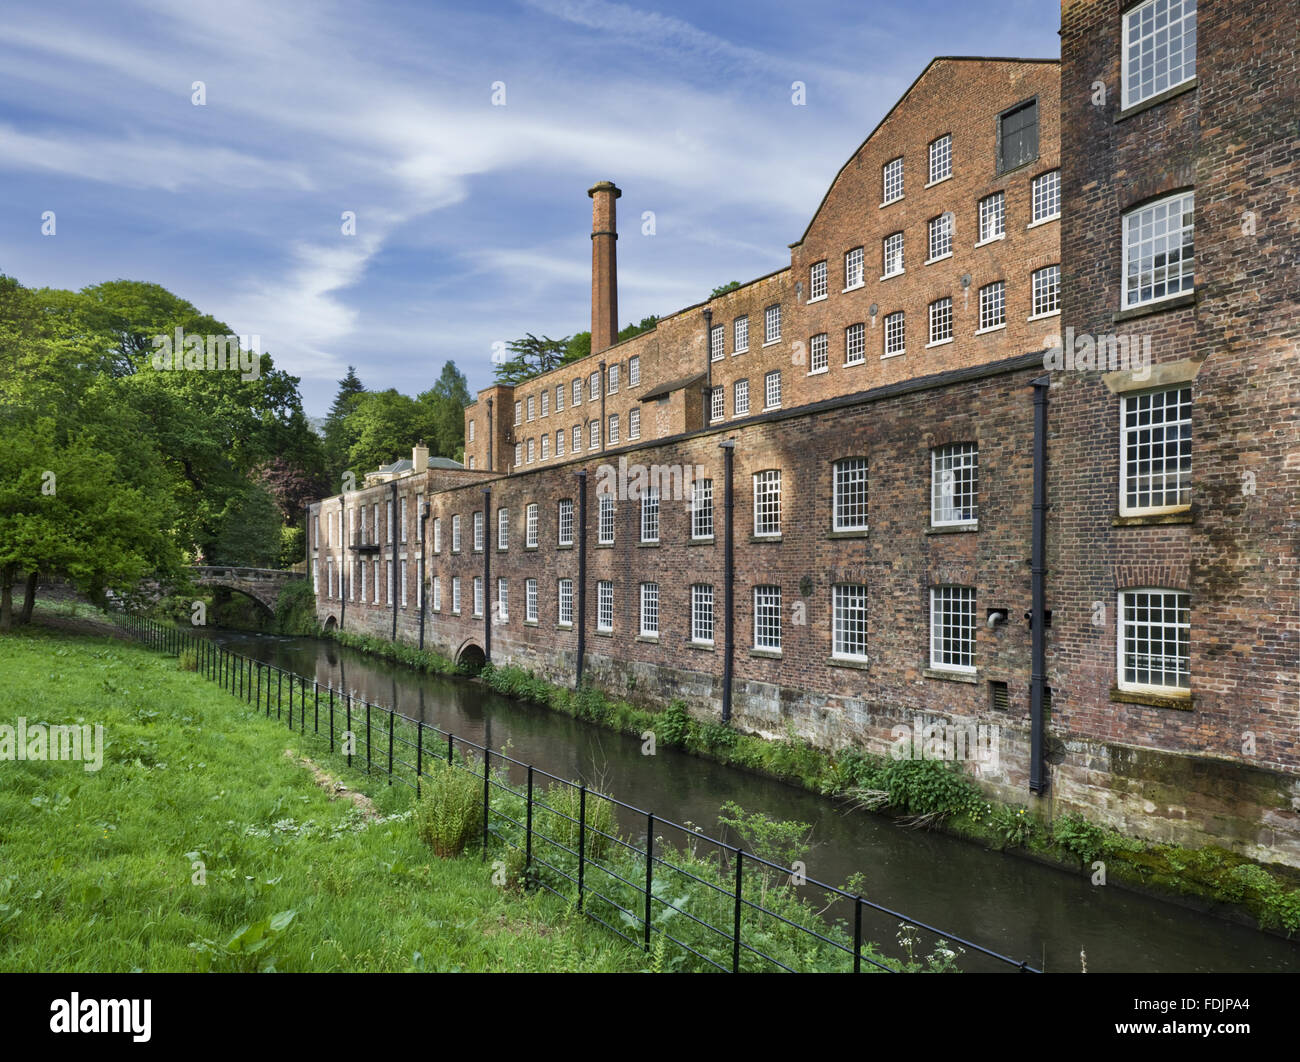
<point x="210" y="840"/>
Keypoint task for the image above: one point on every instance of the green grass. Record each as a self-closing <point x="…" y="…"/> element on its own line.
<point x="97" y="869"/>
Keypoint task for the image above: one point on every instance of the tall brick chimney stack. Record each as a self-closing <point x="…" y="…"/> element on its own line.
<point x="604" y="265"/>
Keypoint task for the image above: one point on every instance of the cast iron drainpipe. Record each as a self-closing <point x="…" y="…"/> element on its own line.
<point x="392" y="551"/>
<point x="343" y="565"/>
<point x="728" y="652"/>
<point x="1038" y="782"/>
<point x="707" y="392"/>
<point x="582" y="575"/>
<point x="487" y="575"/>
<point x="423" y="514"/>
<point x="489" y="434"/>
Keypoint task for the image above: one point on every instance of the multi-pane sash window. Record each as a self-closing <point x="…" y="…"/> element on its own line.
<point x="455" y="594"/>
<point x="530" y="525"/>
<point x="519" y="454"/>
<point x="1156" y="444"/>
<point x="740" y="335"/>
<point x="849" y="622"/>
<point x="577" y="392"/>
<point x="455" y="534"/>
<point x="952" y="628"/>
<point x="605" y="523"/>
<point x="478" y="532"/>
<point x="593" y="435"/>
<point x="895" y="334"/>
<point x="604" y="605"/>
<point x="559" y="398"/>
<point x="819" y="353"/>
<point x="1154" y="640"/>
<point x="992" y="216"/>
<point x="503" y="529"/>
<point x="532" y="407"/>
<point x="577" y="438"/>
<point x="702" y="613"/>
<point x="893" y="254"/>
<point x="650" y="609"/>
<point x="717" y="343"/>
<point x="1019" y="136"/>
<point x="1158" y="259"/>
<point x="519" y="412"/>
<point x="1047" y="196"/>
<point x="740" y="398"/>
<point x="437" y="534"/>
<point x="530" y="600"/>
<point x="546" y="446"/>
<point x="993" y="305"/>
<point x="941" y="158"/>
<point x="817" y="281"/>
<point x="767" y="617"/>
<point x="892" y="181"/>
<point x="849" y="503"/>
<point x="546" y="403"/>
<point x="702" y="508"/>
<point x="329" y="578"/>
<point x="853" y="268"/>
<point x="565" y="522"/>
<point x="593" y="385"/>
<point x="503" y="600"/>
<point x="564" y="596"/>
<point x="772" y="324"/>
<point x="419" y="582"/>
<point x="361" y="568"/>
<point x="650" y="515"/>
<point x="717" y="402"/>
<point x="772" y="390"/>
<point x="532" y="450"/>
<point x="940" y="236"/>
<point x="471" y="431"/>
<point x="941" y="320"/>
<point x="634" y="424"/>
<point x="1159" y="48"/>
<point x="478" y="595"/>
<point x="390" y="589"/>
<point x="559" y="443"/>
<point x="613" y="429"/>
<point x="767" y="502"/>
<point x="1046" y="290"/>
<point x="613" y="379"/>
<point x="437" y="593"/>
<point x="401" y="523"/>
<point x="954" y="484"/>
<point x="634" y="370"/>
<point x="855" y="344"/>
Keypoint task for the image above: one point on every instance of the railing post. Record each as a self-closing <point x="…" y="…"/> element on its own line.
<point x="419" y="755"/>
<point x="279" y="691"/>
<point x="528" y="825"/>
<point x="649" y="871"/>
<point x="331" y="717"/>
<point x="391" y="716"/>
<point x="290" y="700"/>
<point x="257" y="704"/>
<point x="582" y="838"/>
<point x="315" y="706"/>
<point x="348" y="732"/>
<point x="451" y="738"/>
<point x="735" y="938"/>
<point x="857" y="934"/>
<point x="368" y="742"/>
<point x="487" y="794"/>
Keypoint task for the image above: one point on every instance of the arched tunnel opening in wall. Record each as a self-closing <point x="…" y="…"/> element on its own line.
<point x="470" y="658"/>
<point x="331" y="623"/>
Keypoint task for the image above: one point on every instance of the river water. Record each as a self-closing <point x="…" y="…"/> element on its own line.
<point x="1043" y="915"/>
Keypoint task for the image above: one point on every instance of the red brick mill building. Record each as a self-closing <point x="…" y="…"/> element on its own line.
<point x="1012" y="441"/>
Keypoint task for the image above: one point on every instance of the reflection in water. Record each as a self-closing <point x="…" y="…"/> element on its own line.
<point x="1042" y="914"/>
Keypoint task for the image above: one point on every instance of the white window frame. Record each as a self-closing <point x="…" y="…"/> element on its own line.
<point x="1134" y="219"/>
<point x="717" y="403"/>
<point x="650" y="515"/>
<point x="455" y="595"/>
<point x="577" y="393"/>
<point x="455" y="533"/>
<point x="892" y="254"/>
<point x="530" y="600"/>
<point x="740" y="398"/>
<point x="614" y="433"/>
<point x="855" y="343"/>
<point x="605" y="520"/>
<point x="717" y="343"/>
<point x="604" y="605"/>
<point x="952" y="629"/>
<point x="1045" y="198"/>
<point x="767" y="618"/>
<point x="701" y="509"/>
<point x="849" y="494"/>
<point x="564" y="522"/>
<point x="854" y="268"/>
<point x="702" y="626"/>
<point x="649" y="618"/>
<point x="819" y="353"/>
<point x="1133" y="94"/>
<point x="940" y="314"/>
<point x="891" y="180"/>
<point x="940" y="238"/>
<point x="503" y="600"/>
<point x="611" y="376"/>
<point x="950" y="466"/>
<point x="1175" y="631"/>
<point x="772" y="324"/>
<point x="478" y="532"/>
<point x="992" y="307"/>
<point x="1045" y="292"/>
<point x="940" y="159"/>
<point x="894" y="333"/>
<point x="437" y="593"/>
<point x="503" y="529"/>
<point x="634" y="370"/>
<point x="772" y="386"/>
<point x="593" y="435"/>
<point x="634" y="423"/>
<point x="740" y="334"/>
<point x="1136" y="434"/>
<point x="478" y="596"/>
<point x="849" y="603"/>
<point x="530" y="525"/>
<point x="564" y="602"/>
<point x="437" y="534"/>
<point x="767" y="503"/>
<point x="817" y="281"/>
<point x="992" y="218"/>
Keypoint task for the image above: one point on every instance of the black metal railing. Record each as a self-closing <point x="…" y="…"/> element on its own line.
<point x="669" y="886"/>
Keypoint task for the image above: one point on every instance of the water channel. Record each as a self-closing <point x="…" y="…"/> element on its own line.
<point x="1037" y="913"/>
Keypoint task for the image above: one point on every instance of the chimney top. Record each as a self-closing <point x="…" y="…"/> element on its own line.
<point x="603" y="186"/>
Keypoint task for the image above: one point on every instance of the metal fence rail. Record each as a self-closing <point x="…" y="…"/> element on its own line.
<point x="609" y="877"/>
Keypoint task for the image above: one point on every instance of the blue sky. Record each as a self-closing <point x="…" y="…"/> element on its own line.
<point x="472" y="219"/>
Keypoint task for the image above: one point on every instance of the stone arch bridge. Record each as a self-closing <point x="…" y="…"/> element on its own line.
<point x="263" y="585"/>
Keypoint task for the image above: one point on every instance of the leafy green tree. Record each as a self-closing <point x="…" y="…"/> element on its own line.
<point x="531" y="356"/>
<point x="338" y="436"/>
<point x="722" y="289"/>
<point x="446" y="402"/>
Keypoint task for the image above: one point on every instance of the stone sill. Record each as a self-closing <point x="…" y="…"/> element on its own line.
<point x="564" y="626"/>
<point x="859" y="665"/>
<point x="991" y="328"/>
<point x="603" y="634"/>
<point x="703" y="647"/>
<point x="1174" y="302"/>
<point x="647" y="545"/>
<point x="743" y="350"/>
<point x="652" y="639"/>
<point x="941" y="258"/>
<point x="931" y="184"/>
<point x="1043" y="221"/>
<point x="531" y="549"/>
<point x="861" y="532"/>
<point x="968" y="677"/>
<point x="759" y="539"/>
<point x="604" y="545"/>
<point x="952" y="529"/>
<point x="565" y="545"/>
<point x="991" y="239"/>
<point x="766" y="654"/>
<point x="815" y="298"/>
<point x="1185" y="516"/>
<point x="890" y="276"/>
<point x="938" y="343"/>
<point x="531" y="623"/>
<point x="1181" y="702"/>
<point x="1155" y="101"/>
<point x="701" y="541"/>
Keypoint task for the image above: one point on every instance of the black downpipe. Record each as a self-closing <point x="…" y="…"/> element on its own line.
<point x="489" y="435"/>
<point x="487" y="575"/>
<point x="1038" y="573"/>
<point x="343" y="566"/>
<point x="392" y="554"/>
<point x="423" y="515"/>
<point x="582" y="575"/>
<point x="728" y="578"/>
